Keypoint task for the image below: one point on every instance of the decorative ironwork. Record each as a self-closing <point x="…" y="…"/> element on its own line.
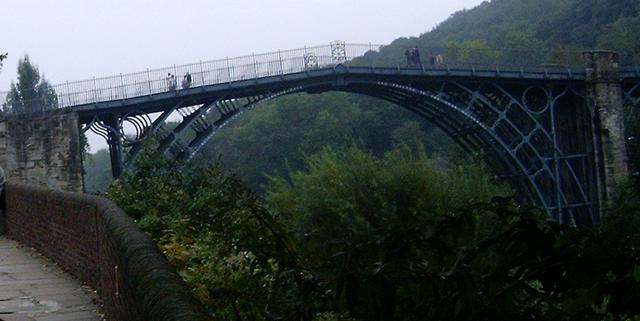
<point x="311" y="61"/>
<point x="339" y="51"/>
<point x="140" y="122"/>
<point x="99" y="128"/>
<point x="536" y="146"/>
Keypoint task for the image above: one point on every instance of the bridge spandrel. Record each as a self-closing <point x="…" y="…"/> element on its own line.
<point x="34" y="289"/>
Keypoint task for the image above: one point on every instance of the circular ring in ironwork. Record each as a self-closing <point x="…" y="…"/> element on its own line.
<point x="338" y="51"/>
<point x="536" y="99"/>
<point x="311" y="61"/>
<point x="140" y="122"/>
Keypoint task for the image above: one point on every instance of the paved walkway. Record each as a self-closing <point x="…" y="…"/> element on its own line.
<point x="34" y="289"/>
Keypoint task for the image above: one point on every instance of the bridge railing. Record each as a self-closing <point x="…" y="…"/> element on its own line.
<point x="154" y="81"/>
<point x="629" y="59"/>
<point x="203" y="73"/>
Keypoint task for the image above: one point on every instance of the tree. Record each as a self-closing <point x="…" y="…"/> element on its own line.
<point x="406" y="238"/>
<point x="470" y="52"/>
<point x="32" y="92"/>
<point x="2" y="57"/>
<point x="622" y="36"/>
<point x="97" y="167"/>
<point x="363" y="225"/>
<point x="524" y="48"/>
<point x="402" y="237"/>
<point x="277" y="135"/>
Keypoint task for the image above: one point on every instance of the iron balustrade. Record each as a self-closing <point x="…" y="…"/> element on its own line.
<point x="203" y="73"/>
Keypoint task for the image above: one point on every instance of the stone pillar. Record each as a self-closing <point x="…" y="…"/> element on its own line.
<point x="42" y="150"/>
<point x="605" y="101"/>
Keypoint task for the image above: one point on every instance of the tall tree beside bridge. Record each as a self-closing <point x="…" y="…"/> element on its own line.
<point x="2" y="57"/>
<point x="32" y="92"/>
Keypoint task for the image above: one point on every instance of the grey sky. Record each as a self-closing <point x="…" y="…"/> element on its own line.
<point x="80" y="39"/>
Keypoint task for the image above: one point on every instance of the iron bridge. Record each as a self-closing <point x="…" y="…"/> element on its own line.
<point x="535" y="122"/>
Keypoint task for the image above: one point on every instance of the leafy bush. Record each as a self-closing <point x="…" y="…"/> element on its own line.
<point x="401" y="237"/>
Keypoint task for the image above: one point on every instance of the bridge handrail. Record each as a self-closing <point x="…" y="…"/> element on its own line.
<point x="203" y="73"/>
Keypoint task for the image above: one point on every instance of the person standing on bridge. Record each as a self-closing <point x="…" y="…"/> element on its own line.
<point x="416" y="57"/>
<point x="407" y="53"/>
<point x="413" y="57"/>
<point x="439" y="60"/>
<point x="173" y="82"/>
<point x="168" y="80"/>
<point x="186" y="80"/>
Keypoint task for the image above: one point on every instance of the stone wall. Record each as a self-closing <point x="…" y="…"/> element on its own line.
<point x="42" y="150"/>
<point x="98" y="244"/>
<point x="605" y="100"/>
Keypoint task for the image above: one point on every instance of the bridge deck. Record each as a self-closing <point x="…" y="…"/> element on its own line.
<point x="34" y="289"/>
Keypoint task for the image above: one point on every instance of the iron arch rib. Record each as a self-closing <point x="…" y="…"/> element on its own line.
<point x="463" y="134"/>
<point x="511" y="120"/>
<point x="202" y="138"/>
<point x="507" y="152"/>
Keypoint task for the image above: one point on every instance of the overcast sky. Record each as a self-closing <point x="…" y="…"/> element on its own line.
<point x="80" y="39"/>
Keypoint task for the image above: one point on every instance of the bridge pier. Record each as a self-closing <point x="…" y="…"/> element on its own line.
<point x="605" y="102"/>
<point x="42" y="150"/>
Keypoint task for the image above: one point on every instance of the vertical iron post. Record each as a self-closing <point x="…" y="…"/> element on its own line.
<point x="280" y="59"/>
<point x="228" y="69"/>
<point x="370" y="56"/>
<point x="202" y="73"/>
<point x="124" y="94"/>
<point x="68" y="94"/>
<point x="95" y="90"/>
<point x="304" y="58"/>
<point x="255" y="65"/>
<point x="149" y="81"/>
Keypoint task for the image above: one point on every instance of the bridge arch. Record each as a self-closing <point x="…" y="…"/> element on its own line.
<point x="550" y="129"/>
<point x="514" y="125"/>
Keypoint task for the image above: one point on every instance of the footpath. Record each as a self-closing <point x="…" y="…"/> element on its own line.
<point x="33" y="288"/>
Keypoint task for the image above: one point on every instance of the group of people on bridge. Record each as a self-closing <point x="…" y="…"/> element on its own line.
<point x="413" y="58"/>
<point x="412" y="55"/>
<point x="172" y="82"/>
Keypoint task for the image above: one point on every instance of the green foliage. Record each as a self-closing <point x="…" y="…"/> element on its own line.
<point x="621" y="35"/>
<point x="226" y="245"/>
<point x="573" y="23"/>
<point x="470" y="52"/>
<point x="276" y="136"/>
<point x="364" y="223"/>
<point x="97" y="171"/>
<point x="401" y="237"/>
<point x="32" y="92"/>
<point x="521" y="31"/>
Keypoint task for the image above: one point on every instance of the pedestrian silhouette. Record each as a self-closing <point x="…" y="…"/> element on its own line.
<point x="186" y="80"/>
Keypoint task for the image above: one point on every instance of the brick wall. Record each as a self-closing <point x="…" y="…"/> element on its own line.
<point x="98" y="244"/>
